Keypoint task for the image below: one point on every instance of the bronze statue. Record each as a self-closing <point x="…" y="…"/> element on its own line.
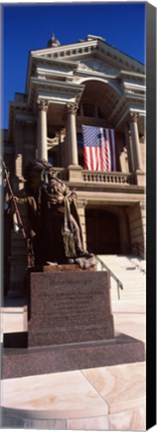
<point x="54" y="233"/>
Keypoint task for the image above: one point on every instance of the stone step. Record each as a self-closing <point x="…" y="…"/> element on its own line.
<point x="130" y="270"/>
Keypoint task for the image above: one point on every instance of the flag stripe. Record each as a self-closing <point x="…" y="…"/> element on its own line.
<point x="111" y="150"/>
<point x="99" y="149"/>
<point x="112" y="140"/>
<point x="107" y="155"/>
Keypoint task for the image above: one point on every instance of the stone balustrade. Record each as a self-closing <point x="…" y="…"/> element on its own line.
<point x="107" y="177"/>
<point x="100" y="176"/>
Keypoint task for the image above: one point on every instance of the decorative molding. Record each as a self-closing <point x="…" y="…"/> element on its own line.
<point x="133" y="117"/>
<point x="87" y="47"/>
<point x="71" y="108"/>
<point x="54" y="90"/>
<point x="94" y="64"/>
<point x="142" y="139"/>
<point x="81" y="203"/>
<point x="42" y="105"/>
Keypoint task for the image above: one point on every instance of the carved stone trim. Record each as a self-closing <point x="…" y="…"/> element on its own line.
<point x="81" y="203"/>
<point x="142" y="139"/>
<point x="42" y="105"/>
<point x="71" y="108"/>
<point x="133" y="117"/>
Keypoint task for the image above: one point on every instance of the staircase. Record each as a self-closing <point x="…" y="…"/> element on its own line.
<point x="131" y="271"/>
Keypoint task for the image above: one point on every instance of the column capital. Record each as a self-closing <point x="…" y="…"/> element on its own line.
<point x="42" y="105"/>
<point x="71" y="108"/>
<point x="133" y="117"/>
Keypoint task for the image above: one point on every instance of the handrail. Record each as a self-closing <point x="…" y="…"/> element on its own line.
<point x="119" y="283"/>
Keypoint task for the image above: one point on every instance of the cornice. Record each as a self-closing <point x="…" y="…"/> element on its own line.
<point x="135" y="97"/>
<point x="63" y="53"/>
<point x="124" y="107"/>
<point x="134" y="87"/>
<point x="79" y="48"/>
<point x="58" y="88"/>
<point x="58" y="85"/>
<point x="66" y="47"/>
<point x="128" y="113"/>
<point x="19" y="111"/>
<point x="34" y="61"/>
<point x="50" y="61"/>
<point x="132" y="74"/>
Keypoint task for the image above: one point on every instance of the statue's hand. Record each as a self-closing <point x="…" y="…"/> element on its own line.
<point x="60" y="199"/>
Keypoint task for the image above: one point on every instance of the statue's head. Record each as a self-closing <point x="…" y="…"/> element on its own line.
<point x="36" y="173"/>
<point x="36" y="166"/>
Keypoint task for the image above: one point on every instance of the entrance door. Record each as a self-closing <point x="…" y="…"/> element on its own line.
<point x="102" y="228"/>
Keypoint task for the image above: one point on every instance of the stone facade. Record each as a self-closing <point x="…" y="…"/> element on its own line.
<point x="89" y="83"/>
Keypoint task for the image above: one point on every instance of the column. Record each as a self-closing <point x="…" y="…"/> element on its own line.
<point x="135" y="141"/>
<point x="71" y="110"/>
<point x="19" y="154"/>
<point x="129" y="148"/>
<point x="42" y="106"/>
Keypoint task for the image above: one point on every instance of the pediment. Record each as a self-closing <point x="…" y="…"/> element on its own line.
<point x="94" y="55"/>
<point x="86" y="64"/>
<point x="96" y="65"/>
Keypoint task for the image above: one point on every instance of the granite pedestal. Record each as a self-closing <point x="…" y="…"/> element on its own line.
<point x="69" y="308"/>
<point x="70" y="327"/>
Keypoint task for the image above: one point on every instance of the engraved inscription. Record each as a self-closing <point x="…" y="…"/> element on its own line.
<point x="69" y="308"/>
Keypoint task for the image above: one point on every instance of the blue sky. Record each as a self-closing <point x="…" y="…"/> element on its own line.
<point x="28" y="27"/>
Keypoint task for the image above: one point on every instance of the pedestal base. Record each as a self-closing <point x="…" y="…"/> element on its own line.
<point x="43" y="360"/>
<point x="70" y="327"/>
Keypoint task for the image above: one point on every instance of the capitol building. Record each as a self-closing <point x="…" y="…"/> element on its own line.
<point x="73" y="92"/>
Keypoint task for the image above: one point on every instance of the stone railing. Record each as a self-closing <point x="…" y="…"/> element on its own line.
<point x="86" y="176"/>
<point x="109" y="177"/>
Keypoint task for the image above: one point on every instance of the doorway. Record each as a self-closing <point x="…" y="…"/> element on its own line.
<point x="103" y="232"/>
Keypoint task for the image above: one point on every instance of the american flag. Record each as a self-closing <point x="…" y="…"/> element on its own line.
<point x="99" y="149"/>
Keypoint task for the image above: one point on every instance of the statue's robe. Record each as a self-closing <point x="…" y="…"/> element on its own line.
<point x="46" y="216"/>
<point x="54" y="227"/>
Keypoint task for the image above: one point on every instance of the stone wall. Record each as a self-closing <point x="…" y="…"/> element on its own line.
<point x="137" y="223"/>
